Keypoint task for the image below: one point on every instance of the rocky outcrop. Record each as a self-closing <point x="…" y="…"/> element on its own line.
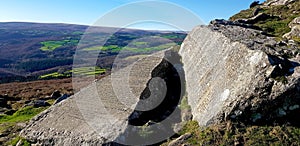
<point x="241" y="23"/>
<point x="278" y="2"/>
<point x="236" y="73"/>
<point x="258" y="17"/>
<point x="295" y="22"/>
<point x="295" y="29"/>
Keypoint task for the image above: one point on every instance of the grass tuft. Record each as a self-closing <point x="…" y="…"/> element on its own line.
<point x="236" y="134"/>
<point x="15" y="141"/>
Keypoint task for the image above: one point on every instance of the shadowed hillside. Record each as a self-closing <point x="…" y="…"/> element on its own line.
<point x="30" y="50"/>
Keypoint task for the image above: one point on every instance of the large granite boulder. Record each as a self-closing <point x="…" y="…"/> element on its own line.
<point x="237" y="73"/>
<point x="101" y="113"/>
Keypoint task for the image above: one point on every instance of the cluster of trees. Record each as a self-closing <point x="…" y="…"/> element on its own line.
<point x="8" y="79"/>
<point x="37" y="65"/>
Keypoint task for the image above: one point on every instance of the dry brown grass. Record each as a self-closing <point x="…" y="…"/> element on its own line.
<point x="36" y="89"/>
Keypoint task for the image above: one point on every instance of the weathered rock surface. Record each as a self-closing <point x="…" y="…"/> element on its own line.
<point x="295" y="22"/>
<point x="256" y="18"/>
<point x="234" y="72"/>
<point x="95" y="115"/>
<point x="295" y="32"/>
<point x="156" y="116"/>
<point x="278" y="2"/>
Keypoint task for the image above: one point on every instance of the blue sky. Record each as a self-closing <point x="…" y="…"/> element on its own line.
<point x="88" y="12"/>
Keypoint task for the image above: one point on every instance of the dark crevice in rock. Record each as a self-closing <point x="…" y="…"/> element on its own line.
<point x="283" y="67"/>
<point x="166" y="71"/>
<point x="170" y="70"/>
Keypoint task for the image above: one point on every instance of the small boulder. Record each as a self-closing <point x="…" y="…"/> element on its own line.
<point x="186" y="115"/>
<point x="295" y="22"/>
<point x="56" y="94"/>
<point x="38" y="103"/>
<point x="9" y="112"/>
<point x="3" y="102"/>
<point x="295" y="32"/>
<point x="3" y="110"/>
<point x="253" y="4"/>
<point x="295" y="29"/>
<point x="63" y="97"/>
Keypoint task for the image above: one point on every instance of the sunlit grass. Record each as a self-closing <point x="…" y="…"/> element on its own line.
<point x="135" y="49"/>
<point x="103" y="48"/>
<point x="21" y="115"/>
<point x="82" y="71"/>
<point x="53" y="75"/>
<point x="52" y="45"/>
<point x="88" y="71"/>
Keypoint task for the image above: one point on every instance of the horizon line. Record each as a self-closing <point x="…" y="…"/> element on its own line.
<point x="88" y="25"/>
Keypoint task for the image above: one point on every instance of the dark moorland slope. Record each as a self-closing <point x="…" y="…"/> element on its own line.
<point x="30" y="50"/>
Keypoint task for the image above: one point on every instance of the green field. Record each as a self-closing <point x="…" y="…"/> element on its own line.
<point x="136" y="49"/>
<point x="86" y="71"/>
<point x="52" y="45"/>
<point x="114" y="48"/>
<point x="173" y="36"/>
<point x="53" y="75"/>
<point x="77" y="33"/>
<point x="82" y="71"/>
<point x="140" y="43"/>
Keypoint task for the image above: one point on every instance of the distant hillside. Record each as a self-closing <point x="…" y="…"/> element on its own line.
<point x="30" y="50"/>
